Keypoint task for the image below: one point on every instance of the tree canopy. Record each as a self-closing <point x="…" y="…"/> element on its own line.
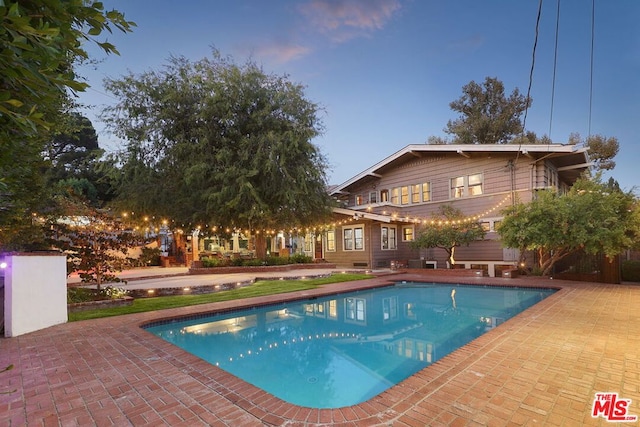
<point x="218" y="143"/>
<point x="40" y="41"/>
<point x="592" y="216"/>
<point x="602" y="150"/>
<point x="40" y="44"/>
<point x="487" y="115"/>
<point x="448" y="230"/>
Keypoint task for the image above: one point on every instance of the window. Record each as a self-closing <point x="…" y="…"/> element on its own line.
<point x="355" y="309"/>
<point x="308" y="242"/>
<point x="348" y="239"/>
<point x="331" y="241"/>
<point x="389" y="239"/>
<point x="426" y="192"/>
<point x="390" y="308"/>
<point x="407" y="233"/>
<point x="333" y="309"/>
<point x="404" y="191"/>
<point x="551" y="176"/>
<point x="475" y="184"/>
<point x="359" y="238"/>
<point x="353" y="239"/>
<point x="395" y="195"/>
<point x="359" y="200"/>
<point x="384" y="195"/>
<point x="457" y="187"/>
<point x="373" y="197"/>
<point x="415" y="193"/>
<point x="469" y="185"/>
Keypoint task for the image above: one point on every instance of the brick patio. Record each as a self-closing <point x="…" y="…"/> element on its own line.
<point x="542" y="367"/>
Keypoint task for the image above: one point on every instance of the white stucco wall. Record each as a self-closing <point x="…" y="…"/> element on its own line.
<point x="35" y="294"/>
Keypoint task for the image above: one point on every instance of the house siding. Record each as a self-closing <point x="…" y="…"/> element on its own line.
<point x="507" y="177"/>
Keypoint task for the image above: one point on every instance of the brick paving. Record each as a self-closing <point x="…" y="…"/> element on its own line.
<point x="542" y="367"/>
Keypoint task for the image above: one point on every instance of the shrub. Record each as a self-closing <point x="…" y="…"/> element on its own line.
<point x="149" y="256"/>
<point x="255" y="262"/>
<point x="300" y="259"/>
<point x="237" y="262"/>
<point x="215" y="262"/>
<point x="277" y="260"/>
<point x="631" y="271"/>
<point x="75" y="295"/>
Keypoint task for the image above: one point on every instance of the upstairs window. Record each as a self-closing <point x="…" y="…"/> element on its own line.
<point x="384" y="195"/>
<point x="404" y="191"/>
<point x="475" y="184"/>
<point x="426" y="192"/>
<point x="467" y="185"/>
<point x="415" y="193"/>
<point x="373" y="197"/>
<point x="395" y="195"/>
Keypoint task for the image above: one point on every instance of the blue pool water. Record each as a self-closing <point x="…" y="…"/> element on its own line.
<point x="341" y="350"/>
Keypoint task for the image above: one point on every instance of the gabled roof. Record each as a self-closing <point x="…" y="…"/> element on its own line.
<point x="566" y="157"/>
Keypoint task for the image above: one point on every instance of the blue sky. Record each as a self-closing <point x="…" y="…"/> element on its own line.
<point x="385" y="71"/>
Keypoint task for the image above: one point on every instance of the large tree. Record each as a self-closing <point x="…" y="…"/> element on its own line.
<point x="592" y="217"/>
<point x="219" y="143"/>
<point x="77" y="163"/>
<point x="40" y="44"/>
<point x="487" y="115"/>
<point x="602" y="150"/>
<point x="448" y="230"/>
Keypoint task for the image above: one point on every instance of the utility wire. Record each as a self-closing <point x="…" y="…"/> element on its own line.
<point x="533" y="64"/>
<point x="526" y="110"/>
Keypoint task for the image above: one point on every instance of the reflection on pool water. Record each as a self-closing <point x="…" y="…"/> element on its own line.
<point x="341" y="350"/>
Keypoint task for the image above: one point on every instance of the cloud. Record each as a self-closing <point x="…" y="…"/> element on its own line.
<point x="342" y="20"/>
<point x="282" y="52"/>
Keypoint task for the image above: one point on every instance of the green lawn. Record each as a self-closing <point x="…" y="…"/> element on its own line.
<point x="264" y="287"/>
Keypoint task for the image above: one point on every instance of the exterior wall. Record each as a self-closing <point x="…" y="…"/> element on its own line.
<point x="352" y="258"/>
<point x="439" y="170"/>
<point x="35" y="292"/>
<point x="507" y="177"/>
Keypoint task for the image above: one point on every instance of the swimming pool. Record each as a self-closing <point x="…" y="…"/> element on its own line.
<point x="341" y="350"/>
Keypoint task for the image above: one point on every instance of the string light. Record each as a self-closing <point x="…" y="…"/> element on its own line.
<point x="394" y="216"/>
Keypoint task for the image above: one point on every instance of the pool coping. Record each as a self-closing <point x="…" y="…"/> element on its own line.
<point x="516" y="373"/>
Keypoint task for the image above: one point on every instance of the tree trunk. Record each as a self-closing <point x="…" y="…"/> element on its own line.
<point x="261" y="246"/>
<point x="551" y="260"/>
<point x="451" y="252"/>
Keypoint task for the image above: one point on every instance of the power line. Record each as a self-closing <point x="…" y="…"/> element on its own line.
<point x="533" y="64"/>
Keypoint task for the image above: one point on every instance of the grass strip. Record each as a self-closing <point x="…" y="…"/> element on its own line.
<point x="260" y="288"/>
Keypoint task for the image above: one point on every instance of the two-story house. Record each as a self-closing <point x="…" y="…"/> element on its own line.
<point x="383" y="206"/>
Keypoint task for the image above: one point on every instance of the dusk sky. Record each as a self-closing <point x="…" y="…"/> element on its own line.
<point x="385" y="71"/>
